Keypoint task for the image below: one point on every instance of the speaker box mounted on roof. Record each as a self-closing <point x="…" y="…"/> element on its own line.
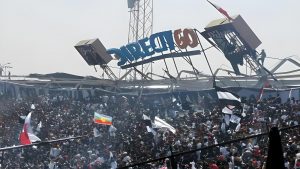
<point x="234" y="38"/>
<point x="93" y="52"/>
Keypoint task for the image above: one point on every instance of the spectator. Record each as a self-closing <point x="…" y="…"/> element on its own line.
<point x="128" y="141"/>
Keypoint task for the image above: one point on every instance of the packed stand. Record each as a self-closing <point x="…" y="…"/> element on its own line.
<point x="198" y="121"/>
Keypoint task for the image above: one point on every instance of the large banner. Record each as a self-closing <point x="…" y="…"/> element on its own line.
<point x="156" y="44"/>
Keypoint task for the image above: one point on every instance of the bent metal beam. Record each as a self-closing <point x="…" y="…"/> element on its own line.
<point x="164" y="56"/>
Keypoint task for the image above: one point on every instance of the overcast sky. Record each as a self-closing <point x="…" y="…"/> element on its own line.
<point x="37" y="36"/>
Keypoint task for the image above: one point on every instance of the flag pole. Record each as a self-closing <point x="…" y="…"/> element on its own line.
<point x="213" y="5"/>
<point x="226" y="16"/>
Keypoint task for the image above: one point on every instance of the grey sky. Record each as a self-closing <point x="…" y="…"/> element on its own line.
<point x="37" y="36"/>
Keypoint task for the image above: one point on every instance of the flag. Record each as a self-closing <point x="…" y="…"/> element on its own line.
<point x="173" y="99"/>
<point x="32" y="106"/>
<point x="294" y="94"/>
<point x="226" y="110"/>
<point x="188" y="99"/>
<point x="52" y="164"/>
<point x="290" y="94"/>
<point x="96" y="132"/>
<point x="27" y="137"/>
<point x="145" y="117"/>
<point x="159" y="123"/>
<point x="33" y="138"/>
<point x="54" y="152"/>
<point x="227" y="119"/>
<point x="223" y="127"/>
<point x="245" y="109"/>
<point x="228" y="99"/>
<point x="235" y="119"/>
<point x="102" y="119"/>
<point x="112" y="131"/>
<point x="24" y="138"/>
<point x="238" y="127"/>
<point x="147" y="120"/>
<point x="150" y="130"/>
<point x="261" y="92"/>
<point x="38" y="128"/>
<point x="221" y="10"/>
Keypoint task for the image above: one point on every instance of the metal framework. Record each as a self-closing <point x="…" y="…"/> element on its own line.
<point x="287" y="79"/>
<point x="140" y="25"/>
<point x="141" y="20"/>
<point x="221" y="35"/>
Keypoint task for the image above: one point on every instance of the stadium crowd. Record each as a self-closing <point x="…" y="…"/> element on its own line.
<point x="198" y="121"/>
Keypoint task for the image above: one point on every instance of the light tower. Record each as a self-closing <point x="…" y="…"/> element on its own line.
<point x="140" y="23"/>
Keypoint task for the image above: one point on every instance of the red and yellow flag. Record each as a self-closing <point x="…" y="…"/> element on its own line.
<point x="102" y="119"/>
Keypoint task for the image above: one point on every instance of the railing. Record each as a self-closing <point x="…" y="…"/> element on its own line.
<point x="173" y="161"/>
<point x="174" y="158"/>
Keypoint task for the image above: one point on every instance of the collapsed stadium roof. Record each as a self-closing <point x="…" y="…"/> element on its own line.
<point x="286" y="79"/>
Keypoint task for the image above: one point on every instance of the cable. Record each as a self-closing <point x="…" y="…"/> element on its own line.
<point x="207" y="147"/>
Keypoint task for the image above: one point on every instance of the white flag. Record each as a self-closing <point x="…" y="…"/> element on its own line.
<point x="150" y="130"/>
<point x="290" y="94"/>
<point x="235" y="119"/>
<point x="54" y="152"/>
<point x="51" y="165"/>
<point x="146" y="117"/>
<point x="112" y="129"/>
<point x="238" y="127"/>
<point x="187" y="98"/>
<point x="227" y="119"/>
<point x="226" y="110"/>
<point x="96" y="132"/>
<point x="159" y="123"/>
<point x="173" y="99"/>
<point x="223" y="129"/>
<point x="33" y="138"/>
<point x="39" y="126"/>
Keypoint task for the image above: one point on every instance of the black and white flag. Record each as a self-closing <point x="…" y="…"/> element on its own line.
<point x="159" y="123"/>
<point x="228" y="99"/>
